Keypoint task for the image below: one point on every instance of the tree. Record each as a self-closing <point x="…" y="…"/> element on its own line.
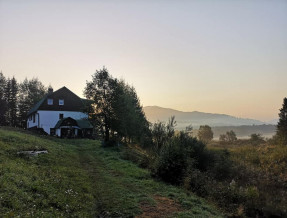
<point x="188" y="130"/>
<point x="100" y="90"/>
<point x="205" y="134"/>
<point x="3" y="105"/>
<point x="117" y="109"/>
<point x="159" y="135"/>
<point x="12" y="103"/>
<point x="162" y="133"/>
<point x="10" y="96"/>
<point x="281" y="132"/>
<point x="231" y="136"/>
<point x="30" y="92"/>
<point x="222" y="138"/>
<point x="256" y="139"/>
<point x="129" y="120"/>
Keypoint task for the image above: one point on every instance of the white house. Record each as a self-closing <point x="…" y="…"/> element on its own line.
<point x="60" y="113"/>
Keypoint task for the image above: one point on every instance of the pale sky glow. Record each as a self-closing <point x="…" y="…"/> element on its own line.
<point x="211" y="56"/>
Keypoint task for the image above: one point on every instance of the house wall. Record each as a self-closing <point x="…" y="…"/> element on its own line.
<point x="48" y="119"/>
<point x="30" y="121"/>
<point x="58" y="132"/>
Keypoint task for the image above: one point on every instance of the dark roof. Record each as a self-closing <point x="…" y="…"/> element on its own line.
<point x="37" y="105"/>
<point x="72" y="102"/>
<point x="83" y="124"/>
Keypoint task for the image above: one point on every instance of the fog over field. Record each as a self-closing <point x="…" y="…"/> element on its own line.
<point x="220" y="123"/>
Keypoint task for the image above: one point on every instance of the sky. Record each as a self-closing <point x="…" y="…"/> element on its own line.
<point x="216" y="56"/>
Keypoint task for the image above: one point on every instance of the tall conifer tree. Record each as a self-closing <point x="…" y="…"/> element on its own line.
<point x="3" y="105"/>
<point x="282" y="124"/>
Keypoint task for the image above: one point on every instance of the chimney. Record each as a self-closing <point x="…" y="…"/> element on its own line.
<point x="50" y="90"/>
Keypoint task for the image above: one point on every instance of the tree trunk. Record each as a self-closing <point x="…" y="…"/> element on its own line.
<point x="107" y="130"/>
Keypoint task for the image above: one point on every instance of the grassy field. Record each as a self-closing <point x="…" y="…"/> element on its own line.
<point x="263" y="166"/>
<point x="79" y="178"/>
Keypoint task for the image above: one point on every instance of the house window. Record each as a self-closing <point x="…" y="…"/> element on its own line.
<point x="50" y="101"/>
<point x="61" y="116"/>
<point x="33" y="118"/>
<point x="61" y="101"/>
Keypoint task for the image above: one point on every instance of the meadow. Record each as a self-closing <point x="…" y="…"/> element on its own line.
<point x="261" y="169"/>
<point x="80" y="178"/>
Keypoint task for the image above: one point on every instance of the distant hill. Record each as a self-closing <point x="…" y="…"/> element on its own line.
<point x="183" y="119"/>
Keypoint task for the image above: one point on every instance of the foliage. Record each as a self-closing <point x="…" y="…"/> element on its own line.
<point x="30" y="92"/>
<point x="180" y="154"/>
<point x="205" y="133"/>
<point x="256" y="139"/>
<point x="230" y="136"/>
<point x="189" y="129"/>
<point x="16" y="99"/>
<point x="159" y="135"/>
<point x="117" y="110"/>
<point x="162" y="133"/>
<point x="3" y="103"/>
<point x="129" y="121"/>
<point x="260" y="176"/>
<point x="282" y="124"/>
<point x="101" y="90"/>
<point x="222" y="138"/>
<point x="10" y="96"/>
<point x="171" y="164"/>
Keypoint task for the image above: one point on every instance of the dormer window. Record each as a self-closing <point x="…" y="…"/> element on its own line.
<point x="61" y="101"/>
<point x="50" y="101"/>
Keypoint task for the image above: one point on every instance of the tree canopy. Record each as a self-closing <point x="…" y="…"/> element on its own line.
<point x="117" y="111"/>
<point x="205" y="134"/>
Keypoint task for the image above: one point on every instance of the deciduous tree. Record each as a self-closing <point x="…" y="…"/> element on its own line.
<point x="117" y="109"/>
<point x="205" y="134"/>
<point x="30" y="92"/>
<point x="231" y="136"/>
<point x="100" y="90"/>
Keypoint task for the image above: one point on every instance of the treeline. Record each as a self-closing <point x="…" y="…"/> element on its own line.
<point x="16" y="99"/>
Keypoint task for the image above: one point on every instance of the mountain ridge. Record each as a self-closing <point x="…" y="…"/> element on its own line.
<point x="196" y="118"/>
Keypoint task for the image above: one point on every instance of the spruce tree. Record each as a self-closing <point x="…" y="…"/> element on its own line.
<point x="10" y="96"/>
<point x="282" y="124"/>
<point x="3" y="105"/>
<point x="13" y="102"/>
<point x="7" y="94"/>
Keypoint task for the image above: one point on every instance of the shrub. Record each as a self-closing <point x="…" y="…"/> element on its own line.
<point x="171" y="164"/>
<point x="221" y="168"/>
<point x="181" y="154"/>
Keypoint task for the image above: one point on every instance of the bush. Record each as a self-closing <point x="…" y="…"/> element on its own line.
<point x="180" y="155"/>
<point x="221" y="168"/>
<point x="171" y="164"/>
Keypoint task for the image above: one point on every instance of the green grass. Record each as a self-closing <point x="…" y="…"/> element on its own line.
<point x="79" y="178"/>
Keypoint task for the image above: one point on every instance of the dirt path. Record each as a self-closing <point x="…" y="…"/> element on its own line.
<point x="163" y="208"/>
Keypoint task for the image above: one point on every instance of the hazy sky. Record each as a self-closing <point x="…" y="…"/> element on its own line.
<point x="210" y="56"/>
